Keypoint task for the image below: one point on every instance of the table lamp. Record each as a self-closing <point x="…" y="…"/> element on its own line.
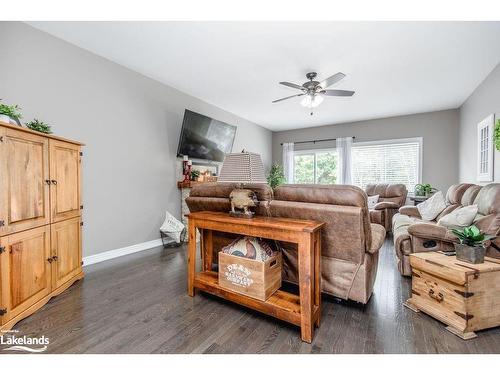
<point x="242" y="168"/>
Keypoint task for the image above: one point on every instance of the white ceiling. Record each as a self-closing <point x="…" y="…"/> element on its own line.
<point x="395" y="67"/>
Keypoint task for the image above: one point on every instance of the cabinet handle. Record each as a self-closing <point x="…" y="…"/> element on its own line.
<point x="50" y="260"/>
<point x="47" y="182"/>
<point x="438" y="298"/>
<point x="54" y="182"/>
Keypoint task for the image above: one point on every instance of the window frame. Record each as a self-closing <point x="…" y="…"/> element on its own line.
<point x="312" y="151"/>
<point x="419" y="140"/>
<point x="486" y="126"/>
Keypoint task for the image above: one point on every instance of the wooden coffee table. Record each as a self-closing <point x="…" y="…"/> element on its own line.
<point x="303" y="310"/>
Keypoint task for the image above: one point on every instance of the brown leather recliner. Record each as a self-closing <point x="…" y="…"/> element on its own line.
<point x="391" y="198"/>
<point x="350" y="243"/>
<point x="413" y="235"/>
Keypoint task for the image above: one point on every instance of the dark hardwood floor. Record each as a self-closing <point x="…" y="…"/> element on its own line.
<point x="139" y="304"/>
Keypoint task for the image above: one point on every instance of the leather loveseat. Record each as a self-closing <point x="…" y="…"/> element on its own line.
<point x="413" y="235"/>
<point x="391" y="198"/>
<point x="350" y="243"/>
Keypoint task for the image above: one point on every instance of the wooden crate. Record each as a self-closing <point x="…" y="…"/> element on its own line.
<point x="250" y="277"/>
<point x="464" y="296"/>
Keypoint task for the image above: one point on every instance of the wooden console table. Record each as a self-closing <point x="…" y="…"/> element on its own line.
<point x="303" y="310"/>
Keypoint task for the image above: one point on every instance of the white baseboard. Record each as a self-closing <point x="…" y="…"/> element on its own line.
<point x="101" y="257"/>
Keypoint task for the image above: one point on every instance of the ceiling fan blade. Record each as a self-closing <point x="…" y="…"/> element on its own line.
<point x="288" y="97"/>
<point x="331" y="80"/>
<point x="292" y="85"/>
<point x="337" y="92"/>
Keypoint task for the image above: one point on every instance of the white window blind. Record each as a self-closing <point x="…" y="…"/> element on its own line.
<point x="394" y="162"/>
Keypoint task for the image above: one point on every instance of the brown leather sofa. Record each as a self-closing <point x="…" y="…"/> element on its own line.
<point x="413" y="235"/>
<point x="350" y="243"/>
<point x="391" y="198"/>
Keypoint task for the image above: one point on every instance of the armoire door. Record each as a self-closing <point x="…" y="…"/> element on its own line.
<point x="65" y="180"/>
<point x="24" y="174"/>
<point x="25" y="267"/>
<point x="66" y="250"/>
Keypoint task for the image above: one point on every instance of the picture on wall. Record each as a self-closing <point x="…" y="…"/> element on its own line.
<point x="485" y="149"/>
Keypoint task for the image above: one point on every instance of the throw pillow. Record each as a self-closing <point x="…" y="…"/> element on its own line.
<point x="459" y="218"/>
<point x="372" y="201"/>
<point x="432" y="207"/>
<point x="251" y="248"/>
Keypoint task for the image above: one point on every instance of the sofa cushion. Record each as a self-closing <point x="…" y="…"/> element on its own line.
<point x="470" y="195"/>
<point x="342" y="195"/>
<point x="343" y="235"/>
<point x="447" y="210"/>
<point x="488" y="199"/>
<point x="455" y="193"/>
<point x="432" y="207"/>
<point x="459" y="218"/>
<point x="223" y="189"/>
<point x="400" y="221"/>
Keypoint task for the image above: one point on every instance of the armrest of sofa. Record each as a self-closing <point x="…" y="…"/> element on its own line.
<point x="432" y="231"/>
<point x="411" y="211"/>
<point x="378" y="238"/>
<point x="384" y="205"/>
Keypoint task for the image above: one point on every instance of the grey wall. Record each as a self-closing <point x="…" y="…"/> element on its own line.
<point x="484" y="101"/>
<point x="438" y="129"/>
<point x="130" y="124"/>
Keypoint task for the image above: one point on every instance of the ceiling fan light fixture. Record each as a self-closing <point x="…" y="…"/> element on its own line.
<point x="317" y="100"/>
<point x="312" y="100"/>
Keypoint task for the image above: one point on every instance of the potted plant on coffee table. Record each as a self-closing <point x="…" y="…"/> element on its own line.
<point x="472" y="247"/>
<point x="10" y="113"/>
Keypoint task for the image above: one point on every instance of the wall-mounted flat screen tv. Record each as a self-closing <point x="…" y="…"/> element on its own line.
<point x="203" y="137"/>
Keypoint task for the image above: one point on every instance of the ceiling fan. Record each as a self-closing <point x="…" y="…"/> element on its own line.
<point x="314" y="91"/>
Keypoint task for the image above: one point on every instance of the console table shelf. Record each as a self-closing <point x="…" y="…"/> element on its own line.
<point x="281" y="305"/>
<point x="303" y="310"/>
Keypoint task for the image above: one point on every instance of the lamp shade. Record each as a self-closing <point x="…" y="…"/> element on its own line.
<point x="243" y="167"/>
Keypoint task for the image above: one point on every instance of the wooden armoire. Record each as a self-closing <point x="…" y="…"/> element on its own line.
<point x="40" y="220"/>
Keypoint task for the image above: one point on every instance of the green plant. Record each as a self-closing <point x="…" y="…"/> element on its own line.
<point x="424" y="189"/>
<point x="39" y="126"/>
<point x="13" y="111"/>
<point x="472" y="236"/>
<point x="496" y="135"/>
<point x="276" y="176"/>
<point x="194" y="175"/>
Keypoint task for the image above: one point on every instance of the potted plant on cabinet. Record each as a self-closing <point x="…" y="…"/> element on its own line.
<point x="39" y="126"/>
<point x="472" y="247"/>
<point x="9" y="113"/>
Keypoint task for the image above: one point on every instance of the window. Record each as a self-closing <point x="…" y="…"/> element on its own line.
<point x="315" y="166"/>
<point x="395" y="162"/>
<point x="485" y="149"/>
